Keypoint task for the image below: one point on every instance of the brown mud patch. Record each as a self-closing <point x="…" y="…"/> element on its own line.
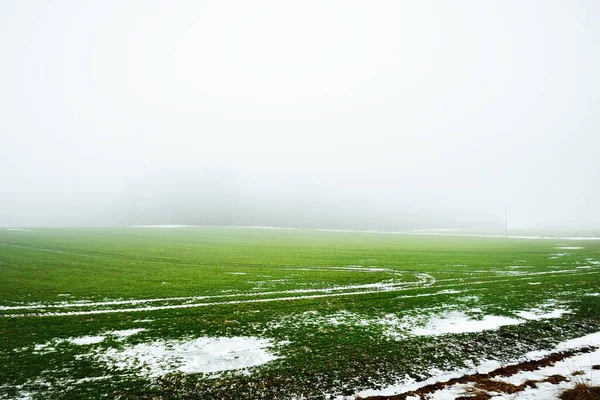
<point x="581" y="391"/>
<point x="484" y="383"/>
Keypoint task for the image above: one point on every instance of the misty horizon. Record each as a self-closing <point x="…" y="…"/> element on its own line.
<point x="343" y="115"/>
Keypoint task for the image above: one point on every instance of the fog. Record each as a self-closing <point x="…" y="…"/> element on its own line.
<point x="330" y="114"/>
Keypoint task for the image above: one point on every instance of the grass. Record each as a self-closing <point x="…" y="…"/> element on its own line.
<point x="581" y="391"/>
<point x="369" y="290"/>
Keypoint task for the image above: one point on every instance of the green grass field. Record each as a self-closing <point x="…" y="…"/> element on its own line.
<point x="333" y="313"/>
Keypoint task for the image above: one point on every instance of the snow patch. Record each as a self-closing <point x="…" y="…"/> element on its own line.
<point x="459" y="322"/>
<point x="127" y="332"/>
<point x="556" y="255"/>
<point x="397" y="327"/>
<point x="163" y="226"/>
<point x="566" y="367"/>
<point x="86" y="340"/>
<point x="581" y="362"/>
<point x="537" y="314"/>
<point x="207" y="355"/>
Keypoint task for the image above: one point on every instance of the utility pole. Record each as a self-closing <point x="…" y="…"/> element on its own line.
<point x="505" y="222"/>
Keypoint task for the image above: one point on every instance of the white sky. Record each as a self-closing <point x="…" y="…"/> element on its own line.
<point x="449" y="106"/>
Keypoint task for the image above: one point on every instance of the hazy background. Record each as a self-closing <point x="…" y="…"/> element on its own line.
<point x="313" y="113"/>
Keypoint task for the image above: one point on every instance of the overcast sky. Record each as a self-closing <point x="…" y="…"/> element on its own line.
<point x="368" y="114"/>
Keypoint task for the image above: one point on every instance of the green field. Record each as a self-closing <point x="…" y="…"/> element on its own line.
<point x="331" y="313"/>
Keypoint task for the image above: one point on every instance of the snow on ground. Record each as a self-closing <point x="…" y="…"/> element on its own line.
<point x="582" y="362"/>
<point x="163" y="226"/>
<point x="556" y="255"/>
<point x="423" y="280"/>
<point x="86" y="340"/>
<point x="440" y="292"/>
<point x="182" y="306"/>
<point x="410" y="384"/>
<point x="459" y="322"/>
<point x="580" y="365"/>
<point x="496" y="236"/>
<point x="190" y="356"/>
<point x="451" y="392"/>
<point x="430" y="232"/>
<point x="428" y="322"/>
<point x="524" y="274"/>
<point x="348" y="268"/>
<point x="126" y="332"/>
<point x="537" y="314"/>
<point x="40" y="310"/>
<point x="159" y="357"/>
